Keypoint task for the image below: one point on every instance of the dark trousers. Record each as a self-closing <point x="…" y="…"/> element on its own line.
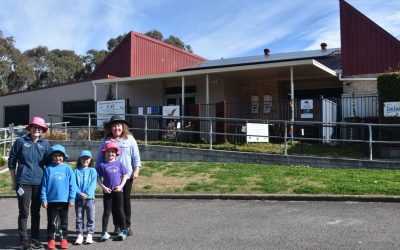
<point x="30" y="199"/>
<point x="60" y="210"/>
<point x="114" y="199"/>
<point x="126" y="204"/>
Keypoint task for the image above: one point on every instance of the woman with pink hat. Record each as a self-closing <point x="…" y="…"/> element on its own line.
<point x="30" y="153"/>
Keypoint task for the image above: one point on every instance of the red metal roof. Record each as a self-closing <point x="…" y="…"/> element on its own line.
<point x="139" y="55"/>
<point x="366" y="47"/>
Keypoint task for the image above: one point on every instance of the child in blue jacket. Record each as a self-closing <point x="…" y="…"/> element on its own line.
<point x="58" y="194"/>
<point x="86" y="179"/>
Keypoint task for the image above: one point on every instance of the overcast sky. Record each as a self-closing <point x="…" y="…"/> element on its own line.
<point x="214" y="28"/>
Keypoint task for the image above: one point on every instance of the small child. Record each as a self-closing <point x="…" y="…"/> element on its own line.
<point x="58" y="194"/>
<point x="86" y="178"/>
<point x="112" y="176"/>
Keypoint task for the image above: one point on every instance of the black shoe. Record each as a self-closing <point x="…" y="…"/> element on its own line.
<point x="129" y="231"/>
<point x="117" y="230"/>
<point x="36" y="244"/>
<point x="25" y="245"/>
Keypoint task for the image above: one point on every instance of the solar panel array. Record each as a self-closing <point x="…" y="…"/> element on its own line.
<point x="261" y="59"/>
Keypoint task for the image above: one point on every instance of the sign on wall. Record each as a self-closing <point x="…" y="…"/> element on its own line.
<point x="391" y="109"/>
<point x="105" y="109"/>
<point x="306" y="108"/>
<point x="257" y="132"/>
<point x="171" y="111"/>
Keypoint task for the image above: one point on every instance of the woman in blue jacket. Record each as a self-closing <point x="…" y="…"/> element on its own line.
<point x="31" y="153"/>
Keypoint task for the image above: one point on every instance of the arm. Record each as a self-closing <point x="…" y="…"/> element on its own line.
<point x="12" y="164"/>
<point x="43" y="196"/>
<point x="13" y="180"/>
<point x="91" y="187"/>
<point x="72" y="186"/>
<point x="136" y="163"/>
<point x="106" y="190"/>
<point x="121" y="186"/>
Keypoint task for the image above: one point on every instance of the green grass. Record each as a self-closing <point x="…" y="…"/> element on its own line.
<point x="238" y="178"/>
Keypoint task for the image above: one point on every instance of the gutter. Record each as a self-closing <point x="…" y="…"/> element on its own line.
<point x="356" y="78"/>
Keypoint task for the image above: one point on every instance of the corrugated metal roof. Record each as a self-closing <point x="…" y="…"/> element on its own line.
<point x="290" y="56"/>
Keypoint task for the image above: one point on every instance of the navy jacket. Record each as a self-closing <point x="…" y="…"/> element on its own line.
<point x="31" y="158"/>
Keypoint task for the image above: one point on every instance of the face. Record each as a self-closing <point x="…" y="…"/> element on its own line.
<point x="111" y="154"/>
<point x="57" y="157"/>
<point x="117" y="129"/>
<point x="85" y="161"/>
<point x="36" y="131"/>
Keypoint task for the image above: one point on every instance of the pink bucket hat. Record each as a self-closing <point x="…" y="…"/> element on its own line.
<point x="110" y="145"/>
<point x="38" y="121"/>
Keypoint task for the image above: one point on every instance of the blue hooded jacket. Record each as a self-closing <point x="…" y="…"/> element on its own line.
<point x="31" y="158"/>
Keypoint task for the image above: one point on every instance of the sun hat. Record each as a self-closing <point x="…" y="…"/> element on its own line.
<point x="59" y="148"/>
<point x="110" y="145"/>
<point x="85" y="153"/>
<point x="38" y="121"/>
<point x="115" y="119"/>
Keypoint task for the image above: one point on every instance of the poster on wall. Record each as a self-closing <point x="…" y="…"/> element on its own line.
<point x="257" y="132"/>
<point x="391" y="109"/>
<point x="306" y="108"/>
<point x="171" y="111"/>
<point x="105" y="109"/>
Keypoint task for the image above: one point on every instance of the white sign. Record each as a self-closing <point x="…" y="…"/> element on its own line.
<point x="391" y="109"/>
<point x="306" y="108"/>
<point x="171" y="111"/>
<point x="105" y="109"/>
<point x="257" y="132"/>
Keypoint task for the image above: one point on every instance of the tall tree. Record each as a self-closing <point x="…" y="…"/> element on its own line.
<point x="113" y="42"/>
<point x="6" y="48"/>
<point x="155" y="34"/>
<point x="39" y="61"/>
<point x="64" y="65"/>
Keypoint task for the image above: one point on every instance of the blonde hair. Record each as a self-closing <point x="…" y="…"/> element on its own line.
<point x="109" y="134"/>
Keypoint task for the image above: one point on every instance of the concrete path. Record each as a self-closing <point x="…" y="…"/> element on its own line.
<point x="240" y="224"/>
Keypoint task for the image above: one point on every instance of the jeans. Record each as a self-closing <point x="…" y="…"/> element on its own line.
<point x="83" y="207"/>
<point x="127" y="205"/>
<point x="59" y="209"/>
<point x="30" y="199"/>
<point x="114" y="199"/>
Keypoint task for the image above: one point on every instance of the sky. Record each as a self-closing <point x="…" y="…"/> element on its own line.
<point x="213" y="28"/>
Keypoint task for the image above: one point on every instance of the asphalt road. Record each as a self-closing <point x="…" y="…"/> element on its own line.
<point x="228" y="224"/>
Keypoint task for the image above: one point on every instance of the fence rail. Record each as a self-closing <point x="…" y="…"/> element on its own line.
<point x="215" y="130"/>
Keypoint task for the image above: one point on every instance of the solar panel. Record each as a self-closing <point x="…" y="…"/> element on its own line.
<point x="261" y="59"/>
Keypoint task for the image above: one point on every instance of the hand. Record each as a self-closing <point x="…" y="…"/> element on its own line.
<point x="83" y="196"/>
<point x="71" y="204"/>
<point x="44" y="205"/>
<point x="118" y="188"/>
<point x="136" y="173"/>
<point x="107" y="190"/>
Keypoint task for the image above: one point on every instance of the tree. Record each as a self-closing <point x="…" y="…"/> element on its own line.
<point x="39" y="62"/>
<point x="22" y="75"/>
<point x="155" y="34"/>
<point x="64" y="66"/>
<point x="113" y="42"/>
<point x="92" y="59"/>
<point x="172" y="40"/>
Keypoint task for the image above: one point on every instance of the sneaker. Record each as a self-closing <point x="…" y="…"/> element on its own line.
<point x="129" y="231"/>
<point x="105" y="236"/>
<point x="64" y="244"/>
<point x="117" y="230"/>
<point x="51" y="244"/>
<point x="37" y="244"/>
<point x="25" y="245"/>
<point x="79" y="240"/>
<point x="89" y="239"/>
<point x="122" y="235"/>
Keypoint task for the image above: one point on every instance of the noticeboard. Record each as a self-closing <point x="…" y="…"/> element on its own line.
<point x="105" y="109"/>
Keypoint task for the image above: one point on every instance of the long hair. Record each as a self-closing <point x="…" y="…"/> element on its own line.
<point x="79" y="164"/>
<point x="125" y="131"/>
